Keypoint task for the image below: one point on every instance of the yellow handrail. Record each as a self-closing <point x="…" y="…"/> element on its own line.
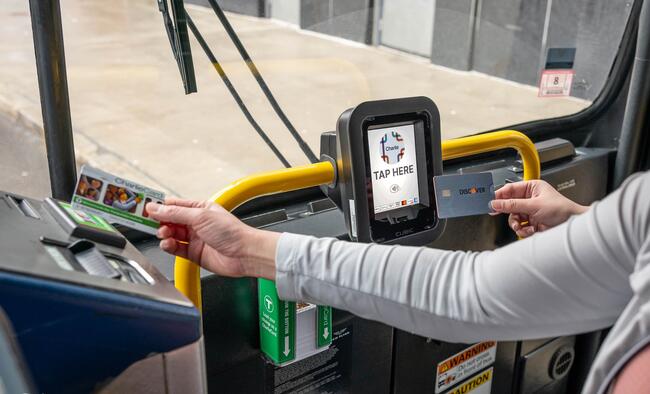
<point x="496" y="140"/>
<point x="186" y="273"/>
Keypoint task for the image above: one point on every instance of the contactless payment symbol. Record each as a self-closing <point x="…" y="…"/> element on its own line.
<point x="391" y="147"/>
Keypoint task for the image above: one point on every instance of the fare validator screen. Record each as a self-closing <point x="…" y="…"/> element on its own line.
<point x="393" y="167"/>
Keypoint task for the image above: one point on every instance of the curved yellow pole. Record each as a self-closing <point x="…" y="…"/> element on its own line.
<point x="186" y="273"/>
<point x="496" y="140"/>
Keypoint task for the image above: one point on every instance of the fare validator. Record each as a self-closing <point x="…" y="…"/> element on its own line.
<point x="388" y="153"/>
<point x="388" y="160"/>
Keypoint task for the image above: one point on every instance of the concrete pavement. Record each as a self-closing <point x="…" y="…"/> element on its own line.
<point x="130" y="115"/>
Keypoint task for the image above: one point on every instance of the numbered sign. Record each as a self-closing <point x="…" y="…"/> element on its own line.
<point x="556" y="83"/>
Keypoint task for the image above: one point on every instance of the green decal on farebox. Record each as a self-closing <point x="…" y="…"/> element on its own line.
<point x="87" y="219"/>
<point x="283" y="324"/>
<point x="324" y="329"/>
<point x="277" y="324"/>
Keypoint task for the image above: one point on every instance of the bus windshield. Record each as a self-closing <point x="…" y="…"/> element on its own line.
<point x="486" y="63"/>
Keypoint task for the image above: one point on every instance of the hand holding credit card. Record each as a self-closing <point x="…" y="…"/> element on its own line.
<point x="463" y="194"/>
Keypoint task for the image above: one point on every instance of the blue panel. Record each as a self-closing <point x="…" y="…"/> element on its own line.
<point x="74" y="337"/>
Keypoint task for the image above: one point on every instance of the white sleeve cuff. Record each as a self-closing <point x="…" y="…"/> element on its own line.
<point x="285" y="265"/>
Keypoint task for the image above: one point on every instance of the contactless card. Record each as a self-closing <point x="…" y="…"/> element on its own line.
<point x="116" y="199"/>
<point x="463" y="195"/>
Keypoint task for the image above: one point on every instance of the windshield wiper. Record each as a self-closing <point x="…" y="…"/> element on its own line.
<point x="179" y="41"/>
<point x="177" y="35"/>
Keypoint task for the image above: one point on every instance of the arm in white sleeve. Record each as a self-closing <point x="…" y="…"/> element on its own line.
<point x="570" y="279"/>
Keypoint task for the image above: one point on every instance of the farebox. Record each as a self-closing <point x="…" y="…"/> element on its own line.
<point x="387" y="153"/>
<point x="90" y="313"/>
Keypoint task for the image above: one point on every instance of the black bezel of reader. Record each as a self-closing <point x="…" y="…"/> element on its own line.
<point x="416" y="224"/>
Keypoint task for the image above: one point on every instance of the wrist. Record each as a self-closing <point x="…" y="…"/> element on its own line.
<point x="258" y="258"/>
<point x="580" y="209"/>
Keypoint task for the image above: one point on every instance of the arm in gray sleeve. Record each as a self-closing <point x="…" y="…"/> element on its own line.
<point x="570" y="279"/>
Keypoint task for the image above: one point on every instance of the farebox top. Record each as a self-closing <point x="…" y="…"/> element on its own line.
<point x="21" y="228"/>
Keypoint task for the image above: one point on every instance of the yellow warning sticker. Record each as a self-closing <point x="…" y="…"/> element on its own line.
<point x="479" y="384"/>
<point x="464" y="364"/>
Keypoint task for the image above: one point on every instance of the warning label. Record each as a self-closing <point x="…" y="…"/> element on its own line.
<point x="326" y="372"/>
<point x="461" y="365"/>
<point x="479" y="384"/>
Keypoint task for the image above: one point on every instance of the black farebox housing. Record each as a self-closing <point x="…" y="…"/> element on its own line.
<point x="416" y="223"/>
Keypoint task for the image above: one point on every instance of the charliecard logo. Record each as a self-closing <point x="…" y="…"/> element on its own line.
<point x="392" y="147"/>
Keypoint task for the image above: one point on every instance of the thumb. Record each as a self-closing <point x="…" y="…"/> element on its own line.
<point x="513" y="205"/>
<point x="173" y="213"/>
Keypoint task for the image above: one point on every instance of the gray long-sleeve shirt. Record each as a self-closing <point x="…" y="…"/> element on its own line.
<point x="583" y="275"/>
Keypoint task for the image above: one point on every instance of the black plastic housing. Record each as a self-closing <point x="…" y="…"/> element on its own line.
<point x="353" y="170"/>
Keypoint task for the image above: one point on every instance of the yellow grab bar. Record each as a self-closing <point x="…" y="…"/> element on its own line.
<point x="496" y="140"/>
<point x="186" y="273"/>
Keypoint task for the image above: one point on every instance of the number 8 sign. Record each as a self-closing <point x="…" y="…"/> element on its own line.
<point x="556" y="83"/>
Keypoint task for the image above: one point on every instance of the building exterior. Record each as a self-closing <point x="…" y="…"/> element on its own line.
<point x="504" y="38"/>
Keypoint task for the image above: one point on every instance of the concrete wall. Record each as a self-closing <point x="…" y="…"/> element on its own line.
<point x="407" y="25"/>
<point x="510" y="38"/>
<point x="285" y="10"/>
<point x="246" y="7"/>
<point x="596" y="34"/>
<point x="453" y="32"/>
<point x="350" y="19"/>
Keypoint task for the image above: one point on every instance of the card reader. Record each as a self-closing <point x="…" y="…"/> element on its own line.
<point x="82" y="224"/>
<point x="387" y="153"/>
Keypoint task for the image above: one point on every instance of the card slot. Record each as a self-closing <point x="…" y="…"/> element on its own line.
<point x="23" y="206"/>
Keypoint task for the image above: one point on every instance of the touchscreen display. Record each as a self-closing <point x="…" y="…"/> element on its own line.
<point x="393" y="168"/>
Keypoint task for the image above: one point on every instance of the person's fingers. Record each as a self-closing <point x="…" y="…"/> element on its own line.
<point x="525" y="231"/>
<point x="512" y="190"/>
<point x="165" y="231"/>
<point x="524" y="219"/>
<point x="514" y="205"/>
<point x="181" y="202"/>
<point x="174" y="247"/>
<point x="169" y="245"/>
<point x="181" y="233"/>
<point x="514" y="221"/>
<point x="173" y="213"/>
<point x="192" y="203"/>
<point x="170" y="230"/>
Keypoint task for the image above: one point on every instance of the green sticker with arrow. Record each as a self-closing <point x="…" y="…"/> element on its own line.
<point x="324" y="326"/>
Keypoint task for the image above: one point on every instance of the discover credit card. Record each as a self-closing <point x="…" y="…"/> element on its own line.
<point x="463" y="194"/>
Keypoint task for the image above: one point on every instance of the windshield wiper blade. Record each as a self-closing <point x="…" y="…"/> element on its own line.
<point x="179" y="41"/>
